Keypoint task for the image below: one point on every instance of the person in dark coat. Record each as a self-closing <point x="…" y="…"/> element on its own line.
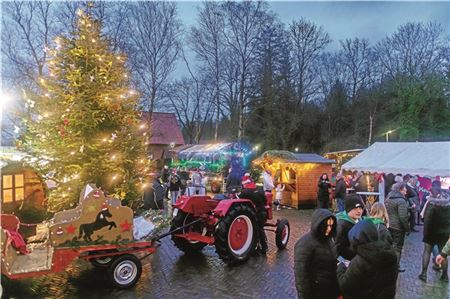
<point x="258" y="197"/>
<point x="339" y="192"/>
<point x="345" y="221"/>
<point x="372" y="273"/>
<point x="412" y="195"/>
<point x="323" y="193"/>
<point x="315" y="259"/>
<point x="397" y="209"/>
<point x="165" y="173"/>
<point x="436" y="229"/>
<point x="154" y="195"/>
<point x="174" y="186"/>
<point x="233" y="181"/>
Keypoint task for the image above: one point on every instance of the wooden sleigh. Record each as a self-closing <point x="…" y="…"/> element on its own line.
<point x="99" y="230"/>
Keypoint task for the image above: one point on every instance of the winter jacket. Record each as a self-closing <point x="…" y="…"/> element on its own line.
<point x="154" y="196"/>
<point x="413" y="196"/>
<point x="233" y="181"/>
<point x="344" y="224"/>
<point x="436" y="227"/>
<point x="340" y="190"/>
<point x="315" y="260"/>
<point x="322" y="193"/>
<point x="174" y="183"/>
<point x="446" y="250"/>
<point x="373" y="271"/>
<point x="397" y="209"/>
<point x="267" y="181"/>
<point x="383" y="233"/>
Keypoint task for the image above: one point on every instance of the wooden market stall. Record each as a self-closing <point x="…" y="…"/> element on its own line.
<point x="299" y="172"/>
<point x="342" y="157"/>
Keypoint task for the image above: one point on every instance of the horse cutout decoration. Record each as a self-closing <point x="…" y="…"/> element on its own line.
<point x="95" y="215"/>
<point x="100" y="221"/>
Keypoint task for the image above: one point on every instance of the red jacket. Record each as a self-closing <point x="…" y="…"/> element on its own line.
<point x="248" y="183"/>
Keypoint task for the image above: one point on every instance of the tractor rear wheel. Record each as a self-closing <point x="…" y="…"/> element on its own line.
<point x="184" y="245"/>
<point x="235" y="235"/>
<point x="282" y="233"/>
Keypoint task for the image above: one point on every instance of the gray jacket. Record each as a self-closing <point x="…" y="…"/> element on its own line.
<point x="397" y="209"/>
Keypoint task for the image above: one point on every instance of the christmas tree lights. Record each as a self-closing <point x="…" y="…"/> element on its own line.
<point x="82" y="125"/>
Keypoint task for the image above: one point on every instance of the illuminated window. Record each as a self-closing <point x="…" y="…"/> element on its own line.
<point x="13" y="188"/>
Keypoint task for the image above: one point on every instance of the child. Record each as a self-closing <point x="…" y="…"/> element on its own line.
<point x="279" y="195"/>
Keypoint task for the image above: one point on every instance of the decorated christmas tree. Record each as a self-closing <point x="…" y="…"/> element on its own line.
<point x="82" y="125"/>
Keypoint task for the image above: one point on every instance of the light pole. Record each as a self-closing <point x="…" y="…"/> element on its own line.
<point x="387" y="135"/>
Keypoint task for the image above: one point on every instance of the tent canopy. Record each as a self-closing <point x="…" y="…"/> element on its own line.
<point x="415" y="158"/>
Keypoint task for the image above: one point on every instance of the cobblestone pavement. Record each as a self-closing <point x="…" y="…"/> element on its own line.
<point x="171" y="274"/>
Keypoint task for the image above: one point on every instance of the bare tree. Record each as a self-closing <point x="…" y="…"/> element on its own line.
<point x="357" y="58"/>
<point x="28" y="28"/>
<point x="244" y="23"/>
<point x="207" y="40"/>
<point x="192" y="100"/>
<point x="153" y="31"/>
<point x="415" y="50"/>
<point x="308" y="41"/>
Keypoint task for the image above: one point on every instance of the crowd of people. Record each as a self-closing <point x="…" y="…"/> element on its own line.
<point x="356" y="253"/>
<point x="171" y="184"/>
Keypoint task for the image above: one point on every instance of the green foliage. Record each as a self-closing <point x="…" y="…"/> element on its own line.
<point x="82" y="125"/>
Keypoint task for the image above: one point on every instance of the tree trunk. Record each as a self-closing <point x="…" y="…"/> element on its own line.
<point x="370" y="128"/>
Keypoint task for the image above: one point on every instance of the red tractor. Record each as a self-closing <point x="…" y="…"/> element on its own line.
<point x="229" y="224"/>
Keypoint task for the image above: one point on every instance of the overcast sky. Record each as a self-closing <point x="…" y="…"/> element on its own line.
<point x="348" y="19"/>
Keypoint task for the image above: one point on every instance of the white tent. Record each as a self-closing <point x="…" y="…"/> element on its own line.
<point x="415" y="158"/>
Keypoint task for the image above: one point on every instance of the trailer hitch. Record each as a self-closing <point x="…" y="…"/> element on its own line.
<point x="157" y="238"/>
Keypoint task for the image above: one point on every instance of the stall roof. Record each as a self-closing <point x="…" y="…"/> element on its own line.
<point x="311" y="158"/>
<point x="345" y="152"/>
<point x="293" y="157"/>
<point x="415" y="158"/>
<point x="206" y="148"/>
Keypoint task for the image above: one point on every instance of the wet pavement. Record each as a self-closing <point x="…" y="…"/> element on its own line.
<point x="171" y="274"/>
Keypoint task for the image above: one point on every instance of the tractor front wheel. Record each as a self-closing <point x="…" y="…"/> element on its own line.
<point x="235" y="235"/>
<point x="282" y="233"/>
<point x="183" y="244"/>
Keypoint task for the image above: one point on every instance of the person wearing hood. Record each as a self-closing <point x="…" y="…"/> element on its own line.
<point x="397" y="208"/>
<point x="345" y="221"/>
<point x="315" y="259"/>
<point x="372" y="273"/>
<point x="436" y="229"/>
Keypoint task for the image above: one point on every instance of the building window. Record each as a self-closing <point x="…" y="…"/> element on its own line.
<point x="13" y="188"/>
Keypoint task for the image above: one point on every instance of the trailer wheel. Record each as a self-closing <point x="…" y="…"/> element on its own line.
<point x="282" y="233"/>
<point x="235" y="235"/>
<point x="102" y="262"/>
<point x="184" y="245"/>
<point x="125" y="271"/>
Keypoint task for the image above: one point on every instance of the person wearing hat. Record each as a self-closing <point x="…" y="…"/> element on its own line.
<point x="354" y="207"/>
<point x="247" y="182"/>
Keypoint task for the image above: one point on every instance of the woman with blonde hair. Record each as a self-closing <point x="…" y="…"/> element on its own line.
<point x="379" y="217"/>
